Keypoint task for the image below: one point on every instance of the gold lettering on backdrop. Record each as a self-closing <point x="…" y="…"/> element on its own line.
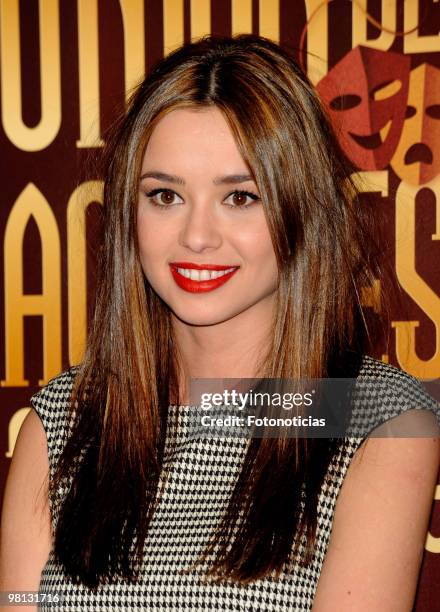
<point x="134" y="42"/>
<point x="172" y="25"/>
<point x="413" y="42"/>
<point x="413" y="283"/>
<point x="40" y="136"/>
<point x="15" y="423"/>
<point x="88" y="66"/>
<point x="200" y="18"/>
<point x="432" y="544"/>
<point x="80" y="199"/>
<point x="270" y="19"/>
<point x="359" y="25"/>
<point x="31" y="202"/>
<point x="374" y="181"/>
<point x="317" y="39"/>
<point x="241" y="16"/>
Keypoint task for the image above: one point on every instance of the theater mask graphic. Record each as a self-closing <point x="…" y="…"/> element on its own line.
<point x="417" y="157"/>
<point x="366" y="95"/>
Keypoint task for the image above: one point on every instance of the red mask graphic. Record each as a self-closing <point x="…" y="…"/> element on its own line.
<point x="417" y="159"/>
<point x="366" y="95"/>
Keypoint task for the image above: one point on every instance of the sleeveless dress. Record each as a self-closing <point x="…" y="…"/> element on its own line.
<point x="201" y="475"/>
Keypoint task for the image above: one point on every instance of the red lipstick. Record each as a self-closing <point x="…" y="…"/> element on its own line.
<point x="200" y="286"/>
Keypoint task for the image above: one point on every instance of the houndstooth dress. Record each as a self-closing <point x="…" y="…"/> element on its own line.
<point x="201" y="476"/>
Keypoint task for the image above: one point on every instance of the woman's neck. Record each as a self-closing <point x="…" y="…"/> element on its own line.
<point x="230" y="349"/>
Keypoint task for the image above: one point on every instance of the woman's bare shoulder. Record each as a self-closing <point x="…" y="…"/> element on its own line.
<point x="25" y="522"/>
<point x="380" y="525"/>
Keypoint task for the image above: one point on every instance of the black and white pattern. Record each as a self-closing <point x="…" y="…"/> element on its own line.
<point x="201" y="475"/>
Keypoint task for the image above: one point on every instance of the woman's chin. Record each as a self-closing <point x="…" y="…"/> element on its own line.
<point x="202" y="319"/>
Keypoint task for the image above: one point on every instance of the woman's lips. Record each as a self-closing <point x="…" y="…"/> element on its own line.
<point x="181" y="271"/>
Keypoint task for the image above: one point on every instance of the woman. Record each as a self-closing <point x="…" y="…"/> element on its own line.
<point x="234" y="247"/>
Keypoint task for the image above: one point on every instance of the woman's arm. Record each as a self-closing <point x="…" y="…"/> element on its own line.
<point x="25" y="523"/>
<point x="380" y="526"/>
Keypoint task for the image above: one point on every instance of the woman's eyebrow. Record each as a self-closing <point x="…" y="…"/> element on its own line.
<point x="229" y="179"/>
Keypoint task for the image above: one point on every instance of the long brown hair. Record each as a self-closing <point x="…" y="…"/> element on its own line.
<point x="122" y="388"/>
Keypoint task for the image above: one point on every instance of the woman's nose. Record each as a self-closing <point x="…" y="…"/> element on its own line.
<point x="201" y="229"/>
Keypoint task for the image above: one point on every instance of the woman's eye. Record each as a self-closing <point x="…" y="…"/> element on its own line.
<point x="241" y="199"/>
<point x="163" y="197"/>
<point x="167" y="197"/>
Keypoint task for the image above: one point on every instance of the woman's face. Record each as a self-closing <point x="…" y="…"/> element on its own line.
<point x="204" y="243"/>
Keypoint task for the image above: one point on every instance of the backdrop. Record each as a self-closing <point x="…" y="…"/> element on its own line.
<point x="67" y="67"/>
